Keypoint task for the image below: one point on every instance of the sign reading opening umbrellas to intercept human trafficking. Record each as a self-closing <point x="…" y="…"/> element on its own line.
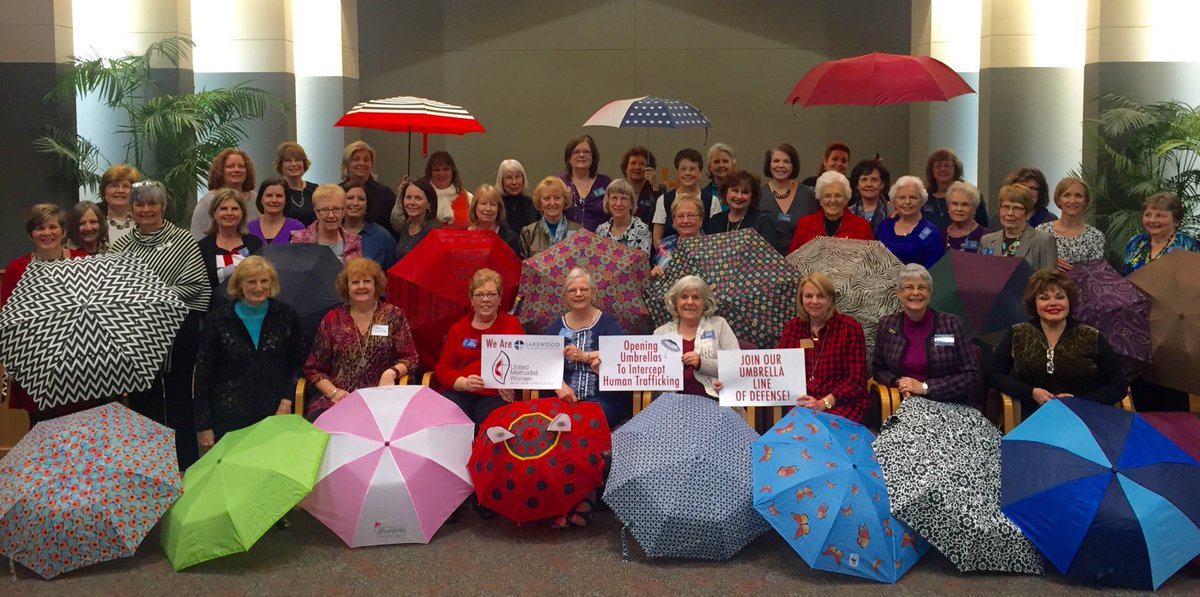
<point x="641" y="363"/>
<point x="761" y="377"/>
<point x="521" y="362"/>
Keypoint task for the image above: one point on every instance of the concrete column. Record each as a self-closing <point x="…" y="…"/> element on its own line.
<point x="249" y="41"/>
<point x="949" y="31"/>
<point x="1031" y="89"/>
<point x="325" y="37"/>
<point x="35" y="38"/>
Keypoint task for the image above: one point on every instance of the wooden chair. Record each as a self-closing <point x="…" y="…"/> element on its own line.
<point x="298" y="400"/>
<point x="1012" y="410"/>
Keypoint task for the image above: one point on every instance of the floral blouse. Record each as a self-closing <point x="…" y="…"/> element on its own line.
<point x="351" y="360"/>
<point x="637" y="235"/>
<point x="1088" y="246"/>
<point x="1137" y="252"/>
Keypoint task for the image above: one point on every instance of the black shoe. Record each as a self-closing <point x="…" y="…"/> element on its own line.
<point x="484" y="512"/>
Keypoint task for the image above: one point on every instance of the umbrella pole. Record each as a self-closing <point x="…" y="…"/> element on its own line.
<point x="408" y="170"/>
<point x="876" y="133"/>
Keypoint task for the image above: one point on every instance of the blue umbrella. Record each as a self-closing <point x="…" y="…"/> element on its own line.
<point x="1105" y="496"/>
<point x="680" y="479"/>
<point x="818" y="483"/>
<point x="649" y="112"/>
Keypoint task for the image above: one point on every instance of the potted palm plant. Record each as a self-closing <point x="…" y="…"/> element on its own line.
<point x="170" y="138"/>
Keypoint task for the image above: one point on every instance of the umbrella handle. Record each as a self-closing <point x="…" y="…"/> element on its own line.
<point x="624" y="546"/>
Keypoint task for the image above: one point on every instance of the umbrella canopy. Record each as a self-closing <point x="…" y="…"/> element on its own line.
<point x="1102" y="493"/>
<point x="941" y="462"/>
<point x="395" y="467"/>
<point x="681" y="479"/>
<point x="307" y="281"/>
<point x="537" y="458"/>
<point x="754" y="286"/>
<point x="241" y="487"/>
<point x="1111" y="304"/>
<point x="1181" y="428"/>
<point x="984" y="290"/>
<point x="649" y="112"/>
<point x="430" y="283"/>
<point x="619" y="272"/>
<point x="408" y="114"/>
<point x="85" y="488"/>
<point x="876" y="79"/>
<point x="68" y="332"/>
<point x="1173" y="286"/>
<point x="818" y="483"/>
<point x="863" y="274"/>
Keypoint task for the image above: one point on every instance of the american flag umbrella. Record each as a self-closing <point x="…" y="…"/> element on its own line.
<point x="408" y="114"/>
<point x="649" y="112"/>
<point x="78" y="329"/>
<point x="619" y="272"/>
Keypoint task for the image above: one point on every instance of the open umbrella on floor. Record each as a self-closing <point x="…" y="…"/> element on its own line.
<point x="395" y="467"/>
<point x="408" y="114"/>
<point x="1173" y="284"/>
<point x="537" y="458"/>
<point x="681" y="480"/>
<point x="307" y="281"/>
<point x="1102" y="493"/>
<point x="68" y="332"/>
<point x="1111" y="304"/>
<point x="85" y="488"/>
<point x="754" y="286"/>
<point x="1181" y="428"/>
<point x="430" y="282"/>
<point x="863" y="274"/>
<point x="240" y="488"/>
<point x="818" y="483"/>
<point x="941" y="462"/>
<point x="619" y="272"/>
<point x="984" y="290"/>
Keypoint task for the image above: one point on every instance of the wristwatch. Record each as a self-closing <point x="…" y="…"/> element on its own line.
<point x="924" y="389"/>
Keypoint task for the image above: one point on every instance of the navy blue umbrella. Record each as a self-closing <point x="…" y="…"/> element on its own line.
<point x="1104" y="495"/>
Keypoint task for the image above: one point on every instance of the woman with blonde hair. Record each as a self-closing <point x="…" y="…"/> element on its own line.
<point x="358" y="166"/>
<point x="550" y="198"/>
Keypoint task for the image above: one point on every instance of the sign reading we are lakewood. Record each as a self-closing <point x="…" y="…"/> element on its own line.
<point x="521" y="362"/>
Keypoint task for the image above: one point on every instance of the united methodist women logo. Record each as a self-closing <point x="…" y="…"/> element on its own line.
<point x="501" y="366"/>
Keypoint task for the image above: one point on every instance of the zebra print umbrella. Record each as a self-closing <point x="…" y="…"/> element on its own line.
<point x="863" y="274"/>
<point x="79" y="329"/>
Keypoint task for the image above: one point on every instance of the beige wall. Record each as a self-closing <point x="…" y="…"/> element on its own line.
<point x="532" y="72"/>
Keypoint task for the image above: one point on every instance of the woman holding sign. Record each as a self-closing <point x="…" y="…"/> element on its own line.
<point x="836" y="362"/>
<point x="694" y="311"/>
<point x="581" y="327"/>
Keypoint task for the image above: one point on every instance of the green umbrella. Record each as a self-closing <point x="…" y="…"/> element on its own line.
<point x="241" y="487"/>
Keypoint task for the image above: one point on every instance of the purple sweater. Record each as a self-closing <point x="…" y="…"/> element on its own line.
<point x="285" y="233"/>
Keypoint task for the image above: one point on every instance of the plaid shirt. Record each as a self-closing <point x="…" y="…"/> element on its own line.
<point x="837" y="365"/>
<point x="954" y="372"/>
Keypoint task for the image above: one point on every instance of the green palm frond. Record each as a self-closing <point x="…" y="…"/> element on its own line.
<point x="79" y="158"/>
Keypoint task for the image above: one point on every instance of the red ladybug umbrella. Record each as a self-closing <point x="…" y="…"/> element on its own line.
<point x="408" y="114"/>
<point x="537" y="458"/>
<point x="430" y="282"/>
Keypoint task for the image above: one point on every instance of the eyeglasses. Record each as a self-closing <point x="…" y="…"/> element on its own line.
<point x="582" y="152"/>
<point x="327" y="211"/>
<point x="146" y="183"/>
<point x="485" y="295"/>
<point x="687" y="216"/>
<point x="914" y="288"/>
<point x="619" y="199"/>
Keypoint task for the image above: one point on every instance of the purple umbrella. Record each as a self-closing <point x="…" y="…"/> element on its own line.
<point x="1113" y="305"/>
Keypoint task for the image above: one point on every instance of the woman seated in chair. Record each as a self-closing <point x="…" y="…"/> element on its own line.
<point x="836" y="362"/>
<point x="694" y="317"/>
<point x="250" y="353"/>
<point x="923" y="352"/>
<point x="363" y="343"/>
<point x="581" y="326"/>
<point x="1053" y="355"/>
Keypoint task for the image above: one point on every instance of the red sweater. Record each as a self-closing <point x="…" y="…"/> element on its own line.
<point x="16" y="268"/>
<point x="463" y="349"/>
<point x="813" y="225"/>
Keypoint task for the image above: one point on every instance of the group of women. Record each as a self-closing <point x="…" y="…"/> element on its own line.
<point x="234" y="362"/>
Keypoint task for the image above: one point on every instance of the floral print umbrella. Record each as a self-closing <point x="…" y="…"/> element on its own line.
<point x="85" y="488"/>
<point x="1111" y="304"/>
<point x="619" y="272"/>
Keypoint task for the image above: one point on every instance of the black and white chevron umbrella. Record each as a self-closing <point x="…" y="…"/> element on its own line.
<point x="79" y="329"/>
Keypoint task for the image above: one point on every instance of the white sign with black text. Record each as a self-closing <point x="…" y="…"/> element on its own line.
<point x="522" y="362"/>
<point x="761" y="377"/>
<point x="630" y="363"/>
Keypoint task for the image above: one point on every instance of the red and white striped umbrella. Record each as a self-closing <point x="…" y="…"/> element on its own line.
<point x="408" y="114"/>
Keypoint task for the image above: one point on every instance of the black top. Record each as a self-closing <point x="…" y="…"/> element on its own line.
<point x="706" y="199"/>
<point x="405" y="242"/>
<point x="935" y="211"/>
<point x="519" y="211"/>
<point x="1085" y="365"/>
<point x="210" y="252"/>
<point x="380" y="201"/>
<point x="299" y="203"/>
<point x="753" y="219"/>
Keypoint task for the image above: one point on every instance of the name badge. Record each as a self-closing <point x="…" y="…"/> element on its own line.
<point x="925" y="233"/>
<point x="988" y="251"/>
<point x="708" y="335"/>
<point x="568" y="335"/>
<point x="943" y="339"/>
<point x="785" y="218"/>
<point x="470" y="343"/>
<point x="970" y="245"/>
<point x="380" y="329"/>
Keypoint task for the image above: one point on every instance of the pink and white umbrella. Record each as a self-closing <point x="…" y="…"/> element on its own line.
<point x="395" y="467"/>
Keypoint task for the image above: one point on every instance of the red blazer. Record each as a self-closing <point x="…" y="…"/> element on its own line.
<point x="813" y="225"/>
<point x="463" y="350"/>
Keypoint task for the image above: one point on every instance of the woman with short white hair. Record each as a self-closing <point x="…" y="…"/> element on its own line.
<point x="909" y="236"/>
<point x="963" y="233"/>
<point x="511" y="180"/>
<point x="694" y="317"/>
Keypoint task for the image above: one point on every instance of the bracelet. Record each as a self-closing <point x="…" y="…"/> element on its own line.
<point x="828" y="402"/>
<point x="396" y="370"/>
<point x="332" y="394"/>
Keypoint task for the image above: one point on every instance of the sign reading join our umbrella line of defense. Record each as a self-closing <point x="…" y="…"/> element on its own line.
<point x="522" y="362"/>
<point x="641" y="363"/>
<point x="761" y="377"/>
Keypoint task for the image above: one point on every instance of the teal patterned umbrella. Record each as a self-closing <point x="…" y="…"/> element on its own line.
<point x="618" y="270"/>
<point x="755" y="287"/>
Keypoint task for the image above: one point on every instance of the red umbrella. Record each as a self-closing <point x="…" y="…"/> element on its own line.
<point x="876" y="79"/>
<point x="412" y="115"/>
<point x="430" y="282"/>
<point x="537" y="458"/>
